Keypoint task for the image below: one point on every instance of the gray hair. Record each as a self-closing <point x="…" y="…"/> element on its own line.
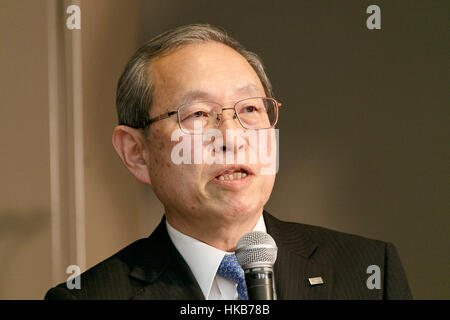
<point x="135" y="87"/>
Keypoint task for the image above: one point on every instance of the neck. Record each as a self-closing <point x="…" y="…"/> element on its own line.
<point x="222" y="234"/>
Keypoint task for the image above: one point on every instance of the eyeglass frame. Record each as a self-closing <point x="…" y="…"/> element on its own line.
<point x="163" y="116"/>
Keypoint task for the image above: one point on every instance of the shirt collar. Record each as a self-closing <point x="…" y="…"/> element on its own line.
<point x="202" y="259"/>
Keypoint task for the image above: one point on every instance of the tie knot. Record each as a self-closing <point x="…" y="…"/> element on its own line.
<point x="231" y="269"/>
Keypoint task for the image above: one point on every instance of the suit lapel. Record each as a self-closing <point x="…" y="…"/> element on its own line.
<point x="160" y="265"/>
<point x="295" y="263"/>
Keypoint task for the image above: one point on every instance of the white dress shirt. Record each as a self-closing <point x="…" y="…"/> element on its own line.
<point x="204" y="260"/>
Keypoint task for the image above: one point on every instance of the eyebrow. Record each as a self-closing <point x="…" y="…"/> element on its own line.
<point x="193" y="95"/>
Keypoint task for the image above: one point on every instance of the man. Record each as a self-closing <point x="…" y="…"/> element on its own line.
<point x="182" y="85"/>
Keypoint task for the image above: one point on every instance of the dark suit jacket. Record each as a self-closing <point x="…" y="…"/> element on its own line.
<point x="152" y="268"/>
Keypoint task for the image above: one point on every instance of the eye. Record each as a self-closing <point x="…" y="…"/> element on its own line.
<point x="199" y="114"/>
<point x="250" y="109"/>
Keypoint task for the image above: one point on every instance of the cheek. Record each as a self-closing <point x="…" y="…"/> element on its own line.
<point x="158" y="157"/>
<point x="160" y="147"/>
<point x="159" y="164"/>
<point x="265" y="189"/>
<point x="266" y="183"/>
<point x="165" y="178"/>
<point x="172" y="183"/>
<point x="269" y="183"/>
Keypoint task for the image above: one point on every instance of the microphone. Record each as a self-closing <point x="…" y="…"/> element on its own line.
<point x="256" y="252"/>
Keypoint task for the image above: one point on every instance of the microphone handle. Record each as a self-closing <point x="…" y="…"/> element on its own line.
<point x="259" y="282"/>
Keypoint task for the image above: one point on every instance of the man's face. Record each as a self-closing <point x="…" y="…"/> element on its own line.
<point x="197" y="72"/>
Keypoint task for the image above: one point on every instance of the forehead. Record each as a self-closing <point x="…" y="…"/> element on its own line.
<point x="208" y="71"/>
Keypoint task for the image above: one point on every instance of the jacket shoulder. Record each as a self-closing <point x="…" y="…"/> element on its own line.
<point x="340" y="249"/>
<point x="350" y="256"/>
<point x="325" y="237"/>
<point x="109" y="279"/>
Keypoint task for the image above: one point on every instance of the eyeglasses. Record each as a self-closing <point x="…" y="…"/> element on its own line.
<point x="252" y="113"/>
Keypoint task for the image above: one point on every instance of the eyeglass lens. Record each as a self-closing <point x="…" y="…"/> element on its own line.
<point x="253" y="113"/>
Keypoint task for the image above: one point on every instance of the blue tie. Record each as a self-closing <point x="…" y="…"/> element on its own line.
<point x="230" y="269"/>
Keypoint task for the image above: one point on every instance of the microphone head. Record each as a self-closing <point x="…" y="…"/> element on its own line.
<point x="256" y="249"/>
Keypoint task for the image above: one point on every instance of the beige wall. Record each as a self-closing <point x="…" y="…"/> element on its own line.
<point x="109" y="38"/>
<point x="24" y="165"/>
<point x="94" y="209"/>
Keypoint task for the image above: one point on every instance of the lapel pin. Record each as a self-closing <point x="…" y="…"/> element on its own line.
<point x="315" y="281"/>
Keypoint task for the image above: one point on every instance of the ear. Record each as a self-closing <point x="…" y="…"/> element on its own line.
<point x="130" y="144"/>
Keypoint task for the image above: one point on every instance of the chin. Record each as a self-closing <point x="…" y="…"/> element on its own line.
<point x="239" y="210"/>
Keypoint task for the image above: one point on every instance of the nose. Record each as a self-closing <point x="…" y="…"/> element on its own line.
<point x="232" y="132"/>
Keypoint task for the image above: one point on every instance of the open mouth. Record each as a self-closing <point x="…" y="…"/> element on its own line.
<point x="234" y="174"/>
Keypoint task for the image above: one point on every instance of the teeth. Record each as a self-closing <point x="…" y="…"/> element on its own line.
<point x="232" y="176"/>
